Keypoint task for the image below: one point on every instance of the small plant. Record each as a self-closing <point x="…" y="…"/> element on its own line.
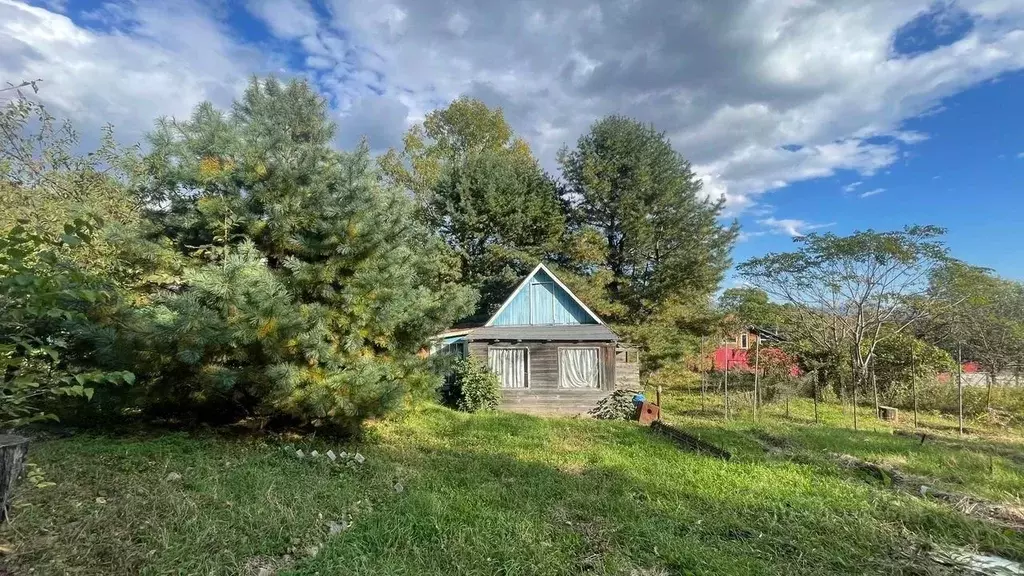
<point x="471" y="386"/>
<point x="34" y="475"/>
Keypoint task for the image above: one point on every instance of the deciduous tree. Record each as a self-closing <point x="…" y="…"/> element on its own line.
<point x="848" y="294"/>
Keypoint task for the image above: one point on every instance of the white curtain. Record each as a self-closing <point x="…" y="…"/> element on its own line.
<point x="510" y="365"/>
<point x="579" y="368"/>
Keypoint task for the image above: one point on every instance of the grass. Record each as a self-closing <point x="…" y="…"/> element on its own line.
<point x="488" y="494"/>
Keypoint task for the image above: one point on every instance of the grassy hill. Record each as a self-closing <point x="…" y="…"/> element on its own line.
<point x="446" y="493"/>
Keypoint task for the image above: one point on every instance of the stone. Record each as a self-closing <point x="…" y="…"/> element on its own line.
<point x="335" y="528"/>
<point x="173" y="477"/>
<point x="332" y="455"/>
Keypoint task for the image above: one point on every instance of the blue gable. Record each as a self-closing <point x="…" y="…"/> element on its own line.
<point x="541" y="301"/>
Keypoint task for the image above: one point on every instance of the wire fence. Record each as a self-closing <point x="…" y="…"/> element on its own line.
<point x="969" y="398"/>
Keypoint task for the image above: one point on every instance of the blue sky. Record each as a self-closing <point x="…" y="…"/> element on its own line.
<point x="806" y="115"/>
<point x="968" y="177"/>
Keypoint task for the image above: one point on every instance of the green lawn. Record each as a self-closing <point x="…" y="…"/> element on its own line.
<point x="448" y="493"/>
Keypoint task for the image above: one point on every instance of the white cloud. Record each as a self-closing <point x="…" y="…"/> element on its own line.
<point x="870" y="193"/>
<point x="782" y="91"/>
<point x="1021" y="155"/>
<point x="286" y="18"/>
<point x="748" y="236"/>
<point x="158" y="60"/>
<point x="791" y="227"/>
<point x="757" y="95"/>
<point x="852" y="186"/>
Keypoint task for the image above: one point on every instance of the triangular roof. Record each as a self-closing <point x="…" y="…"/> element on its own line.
<point x="526" y="281"/>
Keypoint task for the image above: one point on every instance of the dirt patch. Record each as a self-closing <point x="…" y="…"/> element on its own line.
<point x="264" y="566"/>
<point x="689" y="442"/>
<point x="922" y="437"/>
<point x="595" y="533"/>
<point x="771" y="443"/>
<point x="1011" y="517"/>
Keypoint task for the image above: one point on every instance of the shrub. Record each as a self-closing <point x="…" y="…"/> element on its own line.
<point x="471" y="386"/>
<point x="44" y="300"/>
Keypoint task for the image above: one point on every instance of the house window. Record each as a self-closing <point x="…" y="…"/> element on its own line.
<point x="579" y="368"/>
<point x="456" y="349"/>
<point x="743" y="341"/>
<point x="511" y="365"/>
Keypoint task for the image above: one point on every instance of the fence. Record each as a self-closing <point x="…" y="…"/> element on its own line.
<point x="733" y="395"/>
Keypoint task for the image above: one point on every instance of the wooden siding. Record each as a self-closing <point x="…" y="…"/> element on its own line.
<point x="543" y="394"/>
<point x="542" y="302"/>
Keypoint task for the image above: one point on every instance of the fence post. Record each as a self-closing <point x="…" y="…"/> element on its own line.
<point x="817" y="377"/>
<point x="874" y="386"/>
<point x="856" y="380"/>
<point x="703" y="380"/>
<point x="960" y="386"/>
<point x="727" y="354"/>
<point x="757" y="373"/>
<point x="913" y="382"/>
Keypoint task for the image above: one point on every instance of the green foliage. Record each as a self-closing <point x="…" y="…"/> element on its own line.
<point x="500" y="215"/>
<point x="448" y="137"/>
<point x="471" y="386"/>
<point x="616" y="406"/>
<point x="900" y="358"/>
<point x="308" y="287"/>
<point x="982" y="314"/>
<point x="660" y="248"/>
<point x="661" y="235"/>
<point x="44" y="299"/>
<point x="750" y="307"/>
<point x="839" y="292"/>
<point x="479" y="187"/>
<point x="46" y="181"/>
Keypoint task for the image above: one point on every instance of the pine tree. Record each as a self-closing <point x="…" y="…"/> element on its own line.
<point x="664" y="250"/>
<point x="311" y="286"/>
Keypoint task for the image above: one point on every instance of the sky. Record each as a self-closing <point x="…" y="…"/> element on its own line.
<point x="807" y="115"/>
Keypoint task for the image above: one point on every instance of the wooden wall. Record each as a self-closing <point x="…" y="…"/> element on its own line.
<point x="543" y="361"/>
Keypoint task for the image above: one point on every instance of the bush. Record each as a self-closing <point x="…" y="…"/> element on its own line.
<point x="44" y="300"/>
<point x="471" y="386"/>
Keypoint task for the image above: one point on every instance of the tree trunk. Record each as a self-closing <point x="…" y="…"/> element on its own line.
<point x="841" y="391"/>
<point x="13" y="450"/>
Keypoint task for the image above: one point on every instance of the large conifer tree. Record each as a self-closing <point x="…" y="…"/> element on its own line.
<point x="311" y="287"/>
<point x="665" y="248"/>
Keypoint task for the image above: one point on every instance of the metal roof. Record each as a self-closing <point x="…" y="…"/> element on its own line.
<point x="571" y="332"/>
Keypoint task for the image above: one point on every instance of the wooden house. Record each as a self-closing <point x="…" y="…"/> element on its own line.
<point x="551" y="352"/>
<point x="736" y="352"/>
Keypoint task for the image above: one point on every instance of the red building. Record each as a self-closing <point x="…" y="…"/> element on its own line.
<point x="738" y="352"/>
